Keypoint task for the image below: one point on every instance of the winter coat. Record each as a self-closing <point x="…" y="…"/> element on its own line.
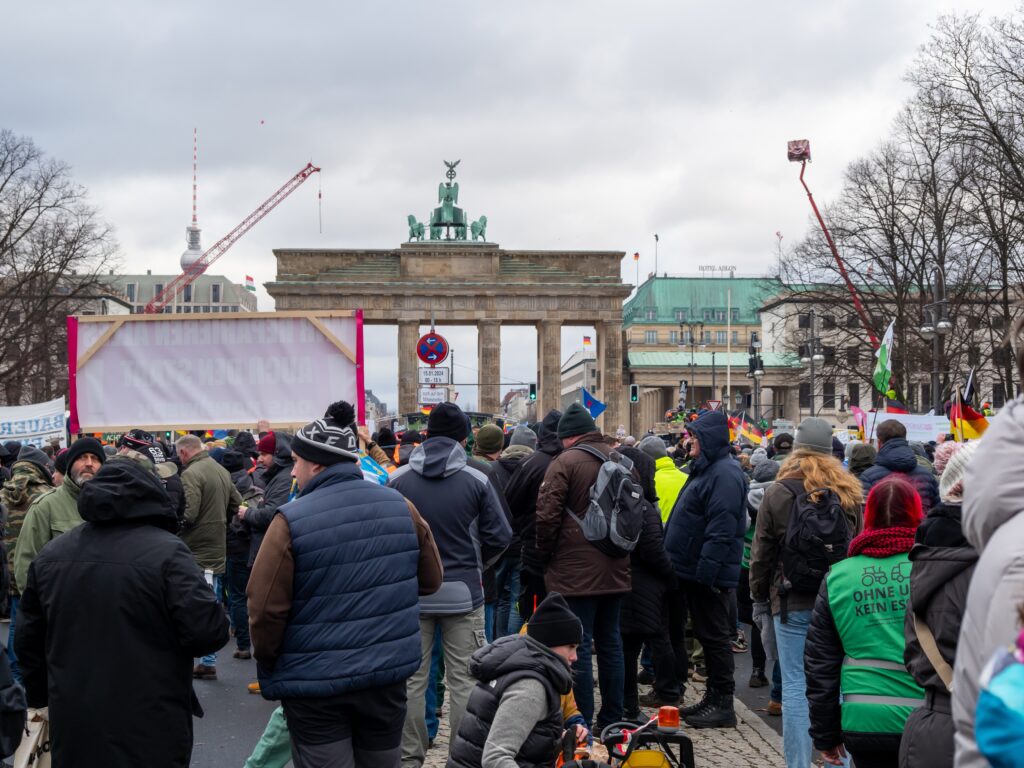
<point x="575" y="567"/>
<point x="939" y="580"/>
<point x="210" y="497"/>
<point x="896" y="455"/>
<point x="704" y="536"/>
<point x="652" y="575"/>
<point x="668" y="482"/>
<point x="52" y="514"/>
<point x="501" y="472"/>
<point x="766" y="550"/>
<point x="755" y="495"/>
<point x="496" y="667"/>
<point x="239" y="535"/>
<point x="277" y="488"/>
<point x="119" y="599"/>
<point x="28" y="482"/>
<point x="353" y="620"/>
<point x="523" y="488"/>
<point x="994" y="525"/>
<point x="461" y="505"/>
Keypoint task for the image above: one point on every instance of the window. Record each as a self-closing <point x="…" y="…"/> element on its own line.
<point x="720" y="337"/>
<point x="973" y="356"/>
<point x="973" y="323"/>
<point x="720" y="315"/>
<point x="803" y="320"/>
<point x="853" y="392"/>
<point x="215" y="293"/>
<point x="651" y="337"/>
<point x="853" y="356"/>
<point x="805" y="395"/>
<point x="735" y="313"/>
<point x="709" y="315"/>
<point x="735" y="337"/>
<point x="828" y="322"/>
<point x="707" y="337"/>
<point x="673" y="337"/>
<point x="158" y="288"/>
<point x="997" y="322"/>
<point x="852" y="321"/>
<point x="234" y="308"/>
<point x="829" y="353"/>
<point x="687" y="337"/>
<point x="205" y="309"/>
<point x="129" y="291"/>
<point x="829" y="395"/>
<point x="186" y="294"/>
<point x="998" y="395"/>
<point x="680" y="315"/>
<point x="651" y="313"/>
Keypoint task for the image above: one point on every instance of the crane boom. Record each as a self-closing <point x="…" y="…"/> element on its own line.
<point x="218" y="249"/>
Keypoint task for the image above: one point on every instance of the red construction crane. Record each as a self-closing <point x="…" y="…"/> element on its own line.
<point x="218" y="249"/>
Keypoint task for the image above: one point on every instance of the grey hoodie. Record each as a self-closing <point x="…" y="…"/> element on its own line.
<point x="993" y="523"/>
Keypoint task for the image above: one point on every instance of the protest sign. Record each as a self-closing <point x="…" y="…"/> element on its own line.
<point x="34" y="424"/>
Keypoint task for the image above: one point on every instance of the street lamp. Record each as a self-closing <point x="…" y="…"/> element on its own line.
<point x="934" y="325"/>
<point x="811" y="353"/>
<point x="755" y="370"/>
<point x="686" y="331"/>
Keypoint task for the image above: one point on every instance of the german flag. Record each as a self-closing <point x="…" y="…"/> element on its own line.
<point x="751" y="432"/>
<point x="895" y="406"/>
<point x="965" y="422"/>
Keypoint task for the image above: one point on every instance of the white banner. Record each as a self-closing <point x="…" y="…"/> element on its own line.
<point x="215" y="372"/>
<point x="920" y="428"/>
<point x="34" y="424"/>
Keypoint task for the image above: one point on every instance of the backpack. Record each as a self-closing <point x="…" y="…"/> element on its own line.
<point x="817" y="537"/>
<point x="614" y="516"/>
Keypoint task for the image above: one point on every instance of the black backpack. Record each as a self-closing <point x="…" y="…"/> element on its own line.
<point x="817" y="537"/>
<point x="615" y="515"/>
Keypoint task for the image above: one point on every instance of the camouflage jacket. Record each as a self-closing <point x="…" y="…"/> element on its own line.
<point x="28" y="482"/>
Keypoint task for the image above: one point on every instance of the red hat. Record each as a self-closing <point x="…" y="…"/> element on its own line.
<point x="267" y="443"/>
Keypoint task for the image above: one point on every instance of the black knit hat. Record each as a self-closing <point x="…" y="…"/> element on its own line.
<point x="82" y="446"/>
<point x="33" y="455"/>
<point x="447" y="420"/>
<point x="329" y="440"/>
<point x="235" y="461"/>
<point x="553" y="624"/>
<point x="576" y="421"/>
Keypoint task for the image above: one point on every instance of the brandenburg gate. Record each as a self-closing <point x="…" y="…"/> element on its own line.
<point x="461" y="281"/>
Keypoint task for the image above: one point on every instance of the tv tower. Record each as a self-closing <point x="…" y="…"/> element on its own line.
<point x="194" y="250"/>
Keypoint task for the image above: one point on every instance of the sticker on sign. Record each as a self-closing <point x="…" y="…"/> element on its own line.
<point x="435" y="375"/>
<point x="433" y="396"/>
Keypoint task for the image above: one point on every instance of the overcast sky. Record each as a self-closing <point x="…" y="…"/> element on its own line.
<point x="580" y="125"/>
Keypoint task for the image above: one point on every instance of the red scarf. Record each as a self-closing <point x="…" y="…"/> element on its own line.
<point x="883" y="542"/>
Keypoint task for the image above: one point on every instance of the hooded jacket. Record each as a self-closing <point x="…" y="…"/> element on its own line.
<point x="49" y="516"/>
<point x="239" y="535"/>
<point x="896" y="455"/>
<point x="523" y="487"/>
<point x="575" y="567"/>
<point x="209" y="497"/>
<point x="277" y="486"/>
<point x="501" y="472"/>
<point x="118" y="599"/>
<point x="28" y="482"/>
<point x="993" y="524"/>
<point x="460" y="504"/>
<point x="704" y="537"/>
<point x="939" y="579"/>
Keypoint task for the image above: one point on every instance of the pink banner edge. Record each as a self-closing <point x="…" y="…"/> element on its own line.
<point x="360" y="390"/>
<point x="72" y="328"/>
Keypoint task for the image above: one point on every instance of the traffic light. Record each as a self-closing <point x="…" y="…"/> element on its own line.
<point x="533" y="393"/>
<point x="634" y="393"/>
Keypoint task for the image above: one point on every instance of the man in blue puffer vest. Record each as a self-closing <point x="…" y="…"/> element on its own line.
<point x="334" y="603"/>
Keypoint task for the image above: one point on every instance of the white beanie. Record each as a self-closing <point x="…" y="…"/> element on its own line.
<point x="951" y="483"/>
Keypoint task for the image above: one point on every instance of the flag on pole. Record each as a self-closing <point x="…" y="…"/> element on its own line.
<point x="250" y="284"/>
<point x="964" y="421"/>
<point x="592" y="404"/>
<point x="968" y="395"/>
<point x="586" y="341"/>
<point x="883" y="368"/>
<point x="636" y="256"/>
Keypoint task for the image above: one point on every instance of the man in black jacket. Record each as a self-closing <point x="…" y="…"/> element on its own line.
<point x="896" y="455"/>
<point x="111" y="655"/>
<point x="277" y="462"/>
<point x="521" y="494"/>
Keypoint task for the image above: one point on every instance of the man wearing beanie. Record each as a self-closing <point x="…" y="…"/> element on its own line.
<point x="514" y="716"/>
<point x="56" y="512"/>
<point x="896" y="455"/>
<point x="704" y="539"/>
<point x="333" y="602"/>
<point x="668" y="479"/>
<point x="593" y="583"/>
<point x="274" y="476"/>
<point x="464" y="509"/>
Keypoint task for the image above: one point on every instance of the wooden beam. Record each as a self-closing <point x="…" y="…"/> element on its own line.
<point x="332" y="338"/>
<point x="103" y="339"/>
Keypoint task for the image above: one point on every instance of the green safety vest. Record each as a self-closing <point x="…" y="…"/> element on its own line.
<point x="868" y="598"/>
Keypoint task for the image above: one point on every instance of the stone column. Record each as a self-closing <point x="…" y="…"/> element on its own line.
<point x="549" y="366"/>
<point x="613" y="390"/>
<point x="408" y="379"/>
<point x="488" y="365"/>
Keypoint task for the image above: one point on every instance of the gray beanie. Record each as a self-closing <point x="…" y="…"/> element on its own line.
<point x="654" y="447"/>
<point x="33" y="455"/>
<point x="759" y="456"/>
<point x="766" y="471"/>
<point x="814" y="434"/>
<point x="523" y="435"/>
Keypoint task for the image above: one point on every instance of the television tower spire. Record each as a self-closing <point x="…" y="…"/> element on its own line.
<point x="194" y="249"/>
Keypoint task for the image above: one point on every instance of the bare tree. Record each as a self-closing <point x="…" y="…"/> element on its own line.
<point x="53" y="247"/>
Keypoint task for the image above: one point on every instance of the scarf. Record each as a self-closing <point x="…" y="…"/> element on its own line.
<point x="883" y="542"/>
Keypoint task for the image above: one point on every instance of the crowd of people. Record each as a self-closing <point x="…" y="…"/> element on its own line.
<point x="373" y="576"/>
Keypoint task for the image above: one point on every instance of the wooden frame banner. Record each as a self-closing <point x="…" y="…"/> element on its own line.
<point x="212" y="371"/>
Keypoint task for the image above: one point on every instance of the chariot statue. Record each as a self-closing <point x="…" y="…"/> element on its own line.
<point x="448" y="216"/>
<point x="416" y="229"/>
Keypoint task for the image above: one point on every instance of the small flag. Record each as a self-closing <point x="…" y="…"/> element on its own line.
<point x="965" y="421"/>
<point x="250" y="284"/>
<point x="592" y="404"/>
<point x="655" y="237"/>
<point x="895" y="406"/>
<point x="636" y="256"/>
<point x="968" y="395"/>
<point x="586" y="341"/>
<point x="883" y="368"/>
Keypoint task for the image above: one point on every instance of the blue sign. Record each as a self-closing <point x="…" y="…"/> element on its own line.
<point x="432" y="348"/>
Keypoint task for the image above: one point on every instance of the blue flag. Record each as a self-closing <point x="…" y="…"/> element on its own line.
<point x="592" y="404"/>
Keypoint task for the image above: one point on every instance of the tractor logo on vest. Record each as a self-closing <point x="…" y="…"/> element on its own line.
<point x="884" y="591"/>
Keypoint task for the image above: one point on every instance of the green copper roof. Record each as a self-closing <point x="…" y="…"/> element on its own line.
<point x="703" y="359"/>
<point x="697" y="296"/>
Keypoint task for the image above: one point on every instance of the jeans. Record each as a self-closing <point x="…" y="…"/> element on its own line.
<point x="236" y="577"/>
<point x="506" y="581"/>
<point x="434" y="686"/>
<point x="211" y="659"/>
<point x="600" y="619"/>
<point x="461" y="635"/>
<point x="15" y="669"/>
<point x="796" y="722"/>
<point x="714" y="625"/>
<point x="489" y="611"/>
<point x="776" y="690"/>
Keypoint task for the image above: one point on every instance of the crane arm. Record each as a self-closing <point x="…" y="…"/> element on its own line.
<point x="218" y="249"/>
